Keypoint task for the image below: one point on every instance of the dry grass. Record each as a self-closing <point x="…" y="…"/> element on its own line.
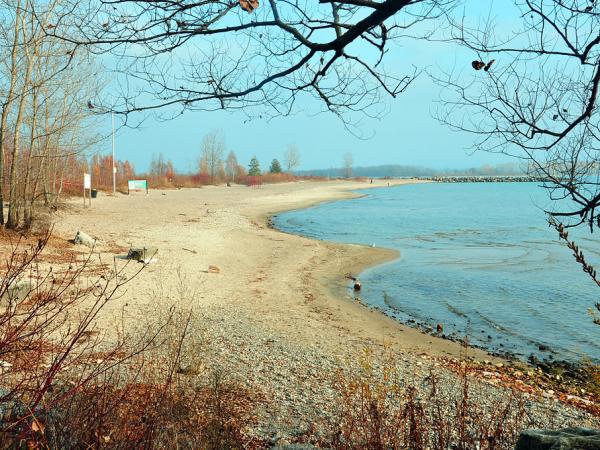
<point x="377" y="408"/>
<point x="66" y="384"/>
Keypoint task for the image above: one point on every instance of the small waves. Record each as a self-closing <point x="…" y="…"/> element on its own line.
<point x="474" y="257"/>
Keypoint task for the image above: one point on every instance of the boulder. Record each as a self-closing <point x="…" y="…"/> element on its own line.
<point x="16" y="292"/>
<point x="565" y="439"/>
<point x="84" y="239"/>
<point x="142" y="254"/>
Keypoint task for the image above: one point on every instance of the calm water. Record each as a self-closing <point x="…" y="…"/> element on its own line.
<point x="478" y="258"/>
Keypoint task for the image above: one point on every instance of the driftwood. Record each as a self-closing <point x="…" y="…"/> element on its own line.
<point x="142" y="254"/>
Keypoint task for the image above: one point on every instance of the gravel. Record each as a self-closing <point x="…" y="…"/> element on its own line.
<point x="297" y="381"/>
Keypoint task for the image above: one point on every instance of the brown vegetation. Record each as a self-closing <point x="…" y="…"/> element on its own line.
<point x="65" y="383"/>
<point x="378" y="409"/>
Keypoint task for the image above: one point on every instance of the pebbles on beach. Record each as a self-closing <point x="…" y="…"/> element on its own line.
<point x="297" y="380"/>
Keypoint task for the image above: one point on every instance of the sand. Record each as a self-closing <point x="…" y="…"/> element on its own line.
<point x="288" y="285"/>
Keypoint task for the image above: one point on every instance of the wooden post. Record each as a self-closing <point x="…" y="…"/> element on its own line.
<point x="87" y="185"/>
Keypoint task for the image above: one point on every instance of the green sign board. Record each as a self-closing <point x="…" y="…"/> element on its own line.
<point x="137" y="185"/>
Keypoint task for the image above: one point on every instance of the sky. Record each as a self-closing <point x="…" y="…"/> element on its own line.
<point x="408" y="134"/>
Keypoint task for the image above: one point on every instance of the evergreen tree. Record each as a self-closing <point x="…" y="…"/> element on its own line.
<point x="254" y="167"/>
<point x="275" y="166"/>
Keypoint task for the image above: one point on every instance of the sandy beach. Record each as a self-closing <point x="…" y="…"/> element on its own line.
<point x="279" y="313"/>
<point x="292" y="286"/>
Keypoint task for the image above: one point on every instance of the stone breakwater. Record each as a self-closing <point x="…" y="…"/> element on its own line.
<point x="484" y="179"/>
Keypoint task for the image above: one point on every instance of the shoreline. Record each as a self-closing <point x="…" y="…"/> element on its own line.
<point x="360" y="257"/>
<point x="339" y="286"/>
<point x="323" y="273"/>
<point x="220" y="224"/>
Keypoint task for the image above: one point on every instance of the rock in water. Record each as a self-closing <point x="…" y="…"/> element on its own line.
<point x="84" y="239"/>
<point x="565" y="439"/>
<point x="142" y="254"/>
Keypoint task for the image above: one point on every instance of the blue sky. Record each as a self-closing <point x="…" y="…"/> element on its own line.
<point x="407" y="134"/>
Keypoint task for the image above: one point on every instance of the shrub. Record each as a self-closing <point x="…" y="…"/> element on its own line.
<point x="378" y="409"/>
<point x="65" y="385"/>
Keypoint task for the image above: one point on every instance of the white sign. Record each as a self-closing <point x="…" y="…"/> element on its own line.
<point x="137" y="185"/>
<point x="87" y="181"/>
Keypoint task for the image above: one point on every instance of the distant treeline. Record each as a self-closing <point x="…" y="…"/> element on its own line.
<point x="396" y="171"/>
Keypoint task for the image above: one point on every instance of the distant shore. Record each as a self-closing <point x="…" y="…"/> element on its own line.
<point x="484" y="179"/>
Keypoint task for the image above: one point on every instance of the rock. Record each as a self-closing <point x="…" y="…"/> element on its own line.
<point x="548" y="394"/>
<point x="357" y="286"/>
<point x="142" y="254"/>
<point x="16" y="292"/>
<point x="295" y="447"/>
<point x="213" y="269"/>
<point x="84" y="239"/>
<point x="10" y="409"/>
<point x="565" y="439"/>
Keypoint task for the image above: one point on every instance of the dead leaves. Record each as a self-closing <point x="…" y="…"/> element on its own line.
<point x="38" y="426"/>
<point x="478" y="65"/>
<point x="249" y="5"/>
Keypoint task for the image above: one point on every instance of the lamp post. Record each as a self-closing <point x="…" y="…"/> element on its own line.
<point x="91" y="106"/>
<point x="114" y="168"/>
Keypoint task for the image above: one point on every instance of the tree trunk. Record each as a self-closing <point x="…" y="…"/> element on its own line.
<point x="29" y="187"/>
<point x="8" y="103"/>
<point x="14" y="203"/>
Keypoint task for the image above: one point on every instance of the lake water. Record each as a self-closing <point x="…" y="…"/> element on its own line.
<point x="478" y="258"/>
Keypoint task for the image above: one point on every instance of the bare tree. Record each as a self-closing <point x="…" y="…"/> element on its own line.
<point x="231" y="166"/>
<point x="254" y="55"/>
<point x="10" y="93"/>
<point x="41" y="112"/>
<point x="213" y="150"/>
<point x="291" y="158"/>
<point x="533" y="94"/>
<point x="348" y="162"/>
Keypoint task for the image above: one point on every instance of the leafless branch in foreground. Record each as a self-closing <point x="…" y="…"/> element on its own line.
<point x="213" y="55"/>
<point x="533" y="94"/>
<point x="580" y="258"/>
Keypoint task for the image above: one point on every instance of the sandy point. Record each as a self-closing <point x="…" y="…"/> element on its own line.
<point x="280" y="284"/>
